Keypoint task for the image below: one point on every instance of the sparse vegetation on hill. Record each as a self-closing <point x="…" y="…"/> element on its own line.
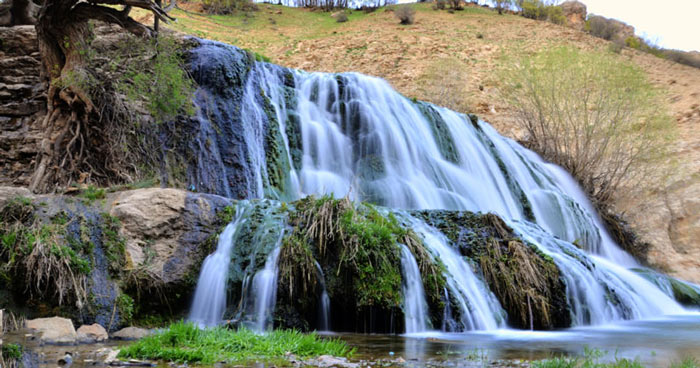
<point x="594" y="115"/>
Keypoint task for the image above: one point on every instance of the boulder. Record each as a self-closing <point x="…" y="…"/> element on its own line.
<point x="92" y="333"/>
<point x="131" y="333"/>
<point x="575" y="13"/>
<point x="53" y="330"/>
<point x="169" y="225"/>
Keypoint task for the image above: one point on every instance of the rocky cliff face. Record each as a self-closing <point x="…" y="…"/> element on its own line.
<point x="22" y="103"/>
<point x="141" y="246"/>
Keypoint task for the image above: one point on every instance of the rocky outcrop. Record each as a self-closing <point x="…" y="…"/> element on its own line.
<point x="53" y="330"/>
<point x="92" y="333"/>
<point x="145" y="248"/>
<point x="575" y="13"/>
<point x="22" y="102"/>
<point x="165" y="228"/>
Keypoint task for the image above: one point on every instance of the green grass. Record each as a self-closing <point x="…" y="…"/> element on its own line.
<point x="185" y="343"/>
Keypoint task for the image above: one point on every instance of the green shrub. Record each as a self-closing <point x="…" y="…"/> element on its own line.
<point x="593" y="114"/>
<point x="539" y="10"/>
<point x="161" y="82"/>
<point x="341" y="17"/>
<point x="602" y="27"/>
<point x="228" y="6"/>
<point x="633" y="42"/>
<point x="405" y="13"/>
<point x="186" y="343"/>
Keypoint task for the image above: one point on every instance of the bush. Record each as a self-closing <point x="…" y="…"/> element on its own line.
<point x="440" y="4"/>
<point x="594" y="115"/>
<point x="228" y="6"/>
<point x="538" y="10"/>
<point x="633" y="42"/>
<point x="683" y="57"/>
<point x="602" y="27"/>
<point x="405" y="14"/>
<point x="341" y="17"/>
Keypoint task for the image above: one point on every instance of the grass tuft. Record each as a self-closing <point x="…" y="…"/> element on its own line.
<point x="185" y="343"/>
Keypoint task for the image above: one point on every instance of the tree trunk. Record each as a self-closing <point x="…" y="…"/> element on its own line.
<point x="62" y="44"/>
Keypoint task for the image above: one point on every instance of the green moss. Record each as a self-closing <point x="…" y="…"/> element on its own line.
<point x="113" y="244"/>
<point x="186" y="343"/>
<point x="441" y="133"/>
<point x="12" y="351"/>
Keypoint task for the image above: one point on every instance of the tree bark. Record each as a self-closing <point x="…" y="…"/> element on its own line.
<point x="69" y="151"/>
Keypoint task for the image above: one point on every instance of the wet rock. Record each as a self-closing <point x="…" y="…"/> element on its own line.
<point x="9" y="193"/>
<point x="331" y="361"/>
<point x="131" y="333"/>
<point x="92" y="333"/>
<point x="53" y="330"/>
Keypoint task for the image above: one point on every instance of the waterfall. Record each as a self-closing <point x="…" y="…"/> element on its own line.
<point x="210" y="296"/>
<point x="324" y="307"/>
<point x="415" y="309"/>
<point x="264" y="290"/>
<point x="479" y="308"/>
<point x="350" y="134"/>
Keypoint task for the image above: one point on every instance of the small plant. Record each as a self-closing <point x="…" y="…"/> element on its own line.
<point x="125" y="305"/>
<point x="405" y="14"/>
<point x="228" y="6"/>
<point x="92" y="193"/>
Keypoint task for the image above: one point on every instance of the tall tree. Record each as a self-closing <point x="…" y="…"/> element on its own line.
<point x="71" y="123"/>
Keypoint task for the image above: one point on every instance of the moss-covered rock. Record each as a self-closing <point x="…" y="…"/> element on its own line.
<point x="526" y="282"/>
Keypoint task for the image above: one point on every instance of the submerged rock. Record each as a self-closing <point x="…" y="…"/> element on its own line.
<point x="55" y="330"/>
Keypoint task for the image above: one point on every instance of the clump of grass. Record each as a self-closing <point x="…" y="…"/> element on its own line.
<point x="185" y="343"/>
<point x="92" y="193"/>
<point x="590" y="359"/>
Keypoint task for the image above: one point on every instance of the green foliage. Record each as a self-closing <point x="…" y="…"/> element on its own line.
<point x="11" y="351"/>
<point x="539" y="10"/>
<point x="125" y="305"/>
<point x="591" y="358"/>
<point x="51" y="259"/>
<point x="689" y="362"/>
<point x="161" y="82"/>
<point x="633" y="42"/>
<point x="228" y="6"/>
<point x="186" y="343"/>
<point x="257" y="57"/>
<point x="113" y="244"/>
<point x="602" y="27"/>
<point x="92" y="193"/>
<point x="593" y="114"/>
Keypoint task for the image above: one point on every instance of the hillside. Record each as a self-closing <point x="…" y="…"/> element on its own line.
<point x="452" y="60"/>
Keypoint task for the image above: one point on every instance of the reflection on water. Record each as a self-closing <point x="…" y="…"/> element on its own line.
<point x="655" y="343"/>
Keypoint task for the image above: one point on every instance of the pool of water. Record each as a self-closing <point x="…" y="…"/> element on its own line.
<point x="655" y="343"/>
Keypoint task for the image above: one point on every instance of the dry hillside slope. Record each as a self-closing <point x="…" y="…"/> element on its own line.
<point x="451" y="59"/>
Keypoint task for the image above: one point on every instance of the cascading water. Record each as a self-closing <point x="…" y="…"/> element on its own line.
<point x="324" y="308"/>
<point x="415" y="308"/>
<point x="264" y="291"/>
<point x="210" y="296"/>
<point x="349" y="134"/>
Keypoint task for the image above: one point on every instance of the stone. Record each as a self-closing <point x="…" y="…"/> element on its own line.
<point x="174" y="222"/>
<point x="131" y="333"/>
<point x="9" y="193"/>
<point x="575" y="13"/>
<point x="92" y="333"/>
<point x="55" y="330"/>
<point x="331" y="361"/>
